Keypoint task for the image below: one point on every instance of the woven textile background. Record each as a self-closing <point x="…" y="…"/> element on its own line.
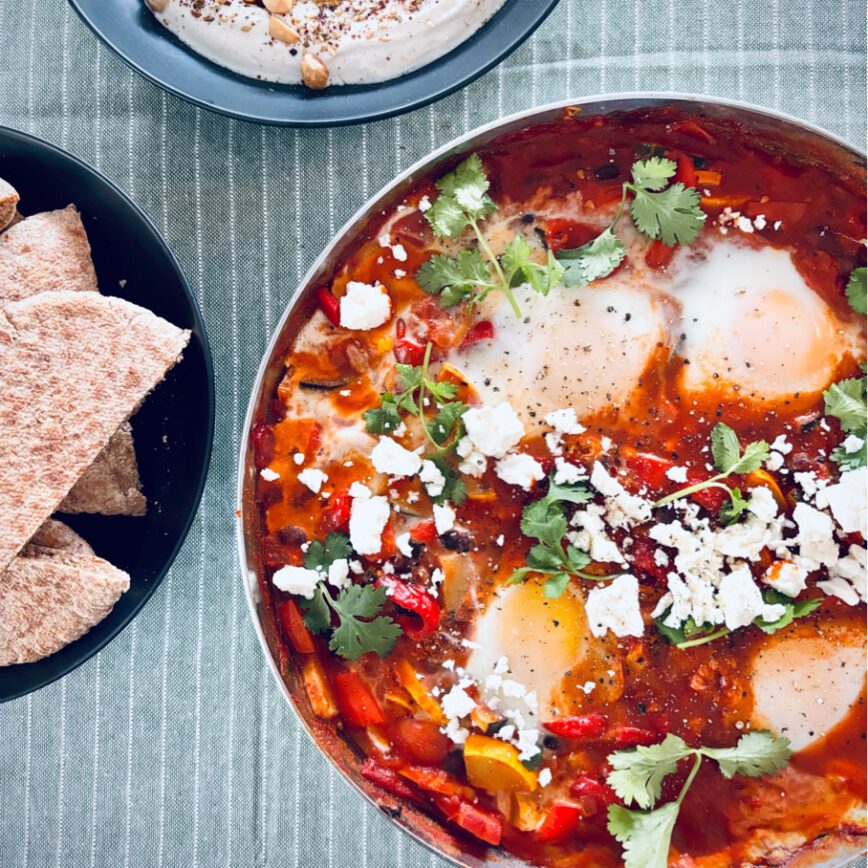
<point x="173" y="746"/>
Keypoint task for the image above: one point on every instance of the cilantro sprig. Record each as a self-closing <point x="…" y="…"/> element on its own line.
<point x="637" y="777"/>
<point x="691" y="635"/>
<point x="472" y="274"/>
<point x="545" y="520"/>
<point x="419" y="395"/>
<point x="847" y="401"/>
<point x="669" y="213"/>
<point x="729" y="459"/>
<point x="356" y="607"/>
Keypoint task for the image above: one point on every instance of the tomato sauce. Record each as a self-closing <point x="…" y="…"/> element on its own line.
<point x="648" y="687"/>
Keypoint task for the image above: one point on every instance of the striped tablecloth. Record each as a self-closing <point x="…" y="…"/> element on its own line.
<point x="173" y="746"/>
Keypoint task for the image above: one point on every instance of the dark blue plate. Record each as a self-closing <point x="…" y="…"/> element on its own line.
<point x="174" y="428"/>
<point x="130" y="29"/>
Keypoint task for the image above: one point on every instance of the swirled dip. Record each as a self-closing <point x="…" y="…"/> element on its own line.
<point x="325" y="42"/>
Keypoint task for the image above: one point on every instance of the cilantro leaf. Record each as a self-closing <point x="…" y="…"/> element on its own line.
<point x="543" y="557"/>
<point x="725" y="447"/>
<point x="857" y="290"/>
<point x="447" y="217"/>
<point x="455" y="278"/>
<point x="321" y="555"/>
<point x="544" y="521"/>
<point x="454" y="488"/>
<point x="673" y="215"/>
<point x="467" y="184"/>
<point x="518" y="267"/>
<point x="577" y="493"/>
<point x="846" y="401"/>
<point x="383" y="419"/>
<point x="756" y="754"/>
<point x="732" y="510"/>
<point x="443" y="424"/>
<point x="318" y="614"/>
<point x="638" y="774"/>
<point x="555" y="586"/>
<point x="354" y="637"/>
<point x="792" y="609"/>
<point x="653" y="173"/>
<point x="598" y="258"/>
<point x="645" y="837"/>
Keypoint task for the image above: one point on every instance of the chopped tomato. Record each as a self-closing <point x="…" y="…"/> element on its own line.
<point x="560" y="822"/>
<point x="632" y="736"/>
<point x="650" y="470"/>
<point x="329" y="305"/>
<point x="407" y="352"/>
<point x="481" y="331"/>
<point x="642" y="558"/>
<point x="711" y="499"/>
<point x="337" y="515"/>
<point x="564" y="234"/>
<point x="659" y="255"/>
<point x="482" y="824"/>
<point x="424" y="532"/>
<point x="602" y="793"/>
<point x="262" y="441"/>
<point x="422" y="740"/>
<point x="388" y="780"/>
<point x="357" y="704"/>
<point x="416" y="600"/>
<point x="436" y="781"/>
<point x="295" y="628"/>
<point x="581" y="726"/>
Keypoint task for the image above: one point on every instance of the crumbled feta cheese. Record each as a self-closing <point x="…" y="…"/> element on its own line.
<point x="622" y="508"/>
<point x="677" y="474"/>
<point x="365" y="306"/>
<point x="742" y="601"/>
<point x="393" y="459"/>
<point x="519" y="469"/>
<point x="588" y="687"/>
<point x="312" y="478"/>
<point x="368" y="518"/>
<point x="847" y="501"/>
<point x="501" y="666"/>
<point x="593" y="537"/>
<point x="402" y="543"/>
<point x="296" y="580"/>
<point x="493" y="431"/>
<point x="399" y="273"/>
<point x="661" y="558"/>
<point x="544" y="778"/>
<point x="500" y="540"/>
<point x="809" y="484"/>
<point x="775" y="462"/>
<point x="399" y="252"/>
<point x="424" y="204"/>
<point x="853" y="444"/>
<point x="568" y="474"/>
<point x="554" y="443"/>
<point x="474" y="463"/>
<point x="816" y="538"/>
<point x="615" y="607"/>
<point x="527" y="744"/>
<point x="298" y="458"/>
<point x="848" y="577"/>
<point x="444" y="518"/>
<point x="431" y="477"/>
<point x="384" y="240"/>
<point x="437" y="578"/>
<point x="339" y="572"/>
<point x="356" y="568"/>
<point x="762" y="504"/>
<point x="781" y="444"/>
<point x="457" y="703"/>
<point x="564" y="421"/>
<point x="787" y="577"/>
<point x="268" y="474"/>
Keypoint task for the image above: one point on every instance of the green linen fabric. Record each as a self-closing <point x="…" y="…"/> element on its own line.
<point x="173" y="747"/>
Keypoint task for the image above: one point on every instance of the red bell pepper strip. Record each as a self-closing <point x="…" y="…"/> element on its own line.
<point x="388" y="780"/>
<point x="357" y="704"/>
<point x="293" y="625"/>
<point x="659" y="255"/>
<point x="482" y="824"/>
<point x="631" y="736"/>
<point x="415" y="600"/>
<point x="329" y="305"/>
<point x="686" y="171"/>
<point x="597" y="790"/>
<point x="424" y="532"/>
<point x="581" y="726"/>
<point x="650" y="470"/>
<point x="560" y="822"/>
<point x="481" y="331"/>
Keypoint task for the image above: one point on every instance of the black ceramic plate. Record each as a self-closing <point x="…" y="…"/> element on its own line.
<point x="174" y="428"/>
<point x="132" y="31"/>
